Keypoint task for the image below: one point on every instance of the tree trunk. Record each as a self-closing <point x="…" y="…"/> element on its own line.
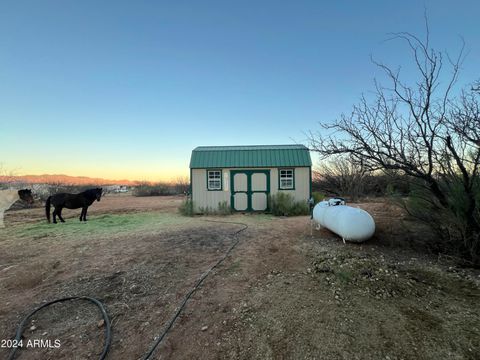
<point x="437" y="192"/>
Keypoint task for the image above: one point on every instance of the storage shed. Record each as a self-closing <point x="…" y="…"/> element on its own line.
<point x="242" y="177"/>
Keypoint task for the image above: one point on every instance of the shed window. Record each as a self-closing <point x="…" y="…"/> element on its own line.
<point x="286" y="179"/>
<point x="214" y="180"/>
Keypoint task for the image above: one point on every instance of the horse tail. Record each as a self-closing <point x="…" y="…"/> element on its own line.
<point x="47" y="208"/>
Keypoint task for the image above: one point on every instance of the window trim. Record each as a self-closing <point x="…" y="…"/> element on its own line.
<point x="293" y="179"/>
<point x="221" y="179"/>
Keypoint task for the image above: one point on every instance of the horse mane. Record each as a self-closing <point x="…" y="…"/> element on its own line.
<point x="91" y="193"/>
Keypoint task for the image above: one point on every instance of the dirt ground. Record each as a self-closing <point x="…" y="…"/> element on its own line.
<point x="285" y="292"/>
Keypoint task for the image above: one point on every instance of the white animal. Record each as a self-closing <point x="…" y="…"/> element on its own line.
<point x="10" y="196"/>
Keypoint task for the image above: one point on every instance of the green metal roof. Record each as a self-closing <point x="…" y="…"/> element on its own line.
<point x="250" y="156"/>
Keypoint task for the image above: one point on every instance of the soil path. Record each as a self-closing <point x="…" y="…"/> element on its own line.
<point x="281" y="294"/>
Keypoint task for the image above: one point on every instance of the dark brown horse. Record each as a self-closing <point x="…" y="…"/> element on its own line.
<point x="72" y="201"/>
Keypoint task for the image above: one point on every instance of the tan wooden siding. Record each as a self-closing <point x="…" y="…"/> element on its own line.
<point x="302" y="184"/>
<point x="203" y="198"/>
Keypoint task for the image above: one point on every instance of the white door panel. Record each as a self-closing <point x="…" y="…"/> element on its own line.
<point x="259" y="182"/>
<point x="241" y="201"/>
<point x="240" y="182"/>
<point x="259" y="201"/>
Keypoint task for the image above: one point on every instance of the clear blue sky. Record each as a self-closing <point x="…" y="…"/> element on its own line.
<point x="126" y="89"/>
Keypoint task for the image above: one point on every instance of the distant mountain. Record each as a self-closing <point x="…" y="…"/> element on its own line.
<point x="65" y="180"/>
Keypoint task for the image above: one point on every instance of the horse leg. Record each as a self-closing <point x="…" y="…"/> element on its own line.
<point x="81" y="214"/>
<point x="59" y="213"/>
<point x="85" y="213"/>
<point x="54" y="215"/>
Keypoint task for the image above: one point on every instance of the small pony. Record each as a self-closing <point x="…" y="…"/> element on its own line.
<point x="8" y="197"/>
<point x="72" y="201"/>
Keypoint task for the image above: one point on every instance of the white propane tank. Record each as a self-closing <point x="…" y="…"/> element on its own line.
<point x="352" y="224"/>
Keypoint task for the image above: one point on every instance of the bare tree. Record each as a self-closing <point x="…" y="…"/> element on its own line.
<point x="7" y="177"/>
<point x="419" y="130"/>
<point x="340" y="176"/>
<point x="476" y="86"/>
<point x="182" y="184"/>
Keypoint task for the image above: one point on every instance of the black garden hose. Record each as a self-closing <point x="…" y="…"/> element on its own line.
<point x="108" y="331"/>
<point x="198" y="283"/>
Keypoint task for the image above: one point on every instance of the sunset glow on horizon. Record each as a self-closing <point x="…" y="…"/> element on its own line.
<point x="117" y="176"/>
<point x="131" y="172"/>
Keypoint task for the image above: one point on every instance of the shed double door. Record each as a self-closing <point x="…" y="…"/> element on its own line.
<point x="249" y="190"/>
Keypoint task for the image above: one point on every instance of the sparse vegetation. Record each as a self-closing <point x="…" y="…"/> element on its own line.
<point x="223" y="208"/>
<point x="8" y="177"/>
<point x="284" y="204"/>
<point x="186" y="207"/>
<point x="182" y="185"/>
<point x="340" y="176"/>
<point x="158" y="189"/>
<point x="347" y="180"/>
<point x="318" y="196"/>
<point x="177" y="187"/>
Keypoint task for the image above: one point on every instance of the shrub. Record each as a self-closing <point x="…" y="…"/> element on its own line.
<point x="186" y="207"/>
<point x="341" y="176"/>
<point x="284" y="204"/>
<point x="222" y="209"/>
<point x="450" y="224"/>
<point x="159" y="189"/>
<point x="317" y="197"/>
<point x="373" y="184"/>
<point x="181" y="185"/>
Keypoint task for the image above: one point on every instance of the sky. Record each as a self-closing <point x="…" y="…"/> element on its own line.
<point x="126" y="89"/>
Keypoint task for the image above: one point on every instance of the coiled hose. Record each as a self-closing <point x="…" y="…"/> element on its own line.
<point x="106" y="319"/>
